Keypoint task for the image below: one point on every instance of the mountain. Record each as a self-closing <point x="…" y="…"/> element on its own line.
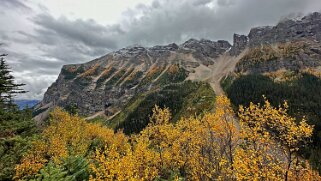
<point x="106" y="85"/>
<point x="26" y="103"/>
<point x="124" y="85"/>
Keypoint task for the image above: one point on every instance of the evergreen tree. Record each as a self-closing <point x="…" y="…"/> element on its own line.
<point x="16" y="126"/>
<point x="8" y="88"/>
<point x="72" y="109"/>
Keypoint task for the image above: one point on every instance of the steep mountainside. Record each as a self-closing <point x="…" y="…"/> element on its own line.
<point x="106" y="84"/>
<point x="123" y="82"/>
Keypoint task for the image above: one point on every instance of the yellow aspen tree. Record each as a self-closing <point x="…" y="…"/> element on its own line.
<point x="256" y="157"/>
<point x="222" y="138"/>
<point x="112" y="164"/>
<point x="190" y="144"/>
<point x="149" y="156"/>
<point x="274" y="137"/>
<point x="160" y="135"/>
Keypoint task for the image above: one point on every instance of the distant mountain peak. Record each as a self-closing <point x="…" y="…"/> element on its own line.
<point x="24" y="103"/>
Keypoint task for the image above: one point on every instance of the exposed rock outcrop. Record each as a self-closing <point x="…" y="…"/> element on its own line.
<point x="308" y="27"/>
<point x="294" y="55"/>
<point x="240" y="42"/>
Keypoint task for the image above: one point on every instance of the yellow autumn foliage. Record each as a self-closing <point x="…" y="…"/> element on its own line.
<point x="270" y="143"/>
<point x="67" y="135"/>
<point x="155" y="69"/>
<point x="107" y="71"/>
<point x="199" y="149"/>
<point x="173" y="69"/>
<point x="90" y="71"/>
<point x="260" y="143"/>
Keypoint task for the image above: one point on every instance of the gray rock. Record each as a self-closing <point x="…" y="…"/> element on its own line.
<point x="240" y="42"/>
<point x="287" y="30"/>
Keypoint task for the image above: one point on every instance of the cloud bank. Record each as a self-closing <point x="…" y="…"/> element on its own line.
<point x="39" y="43"/>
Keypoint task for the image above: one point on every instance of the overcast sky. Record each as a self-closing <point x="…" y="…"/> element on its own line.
<point x="42" y="35"/>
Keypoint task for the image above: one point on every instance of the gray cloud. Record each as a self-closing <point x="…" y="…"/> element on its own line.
<point x="15" y="4"/>
<point x="38" y="55"/>
<point x="166" y="21"/>
<point x="177" y="20"/>
<point x="95" y="35"/>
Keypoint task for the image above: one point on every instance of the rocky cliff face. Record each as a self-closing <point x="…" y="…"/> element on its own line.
<point x="294" y="55"/>
<point x="291" y="44"/>
<point x="107" y="84"/>
<point x="240" y="42"/>
<point x="308" y="27"/>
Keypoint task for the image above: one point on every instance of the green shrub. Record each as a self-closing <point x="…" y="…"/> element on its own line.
<point x="11" y="151"/>
<point x="73" y="168"/>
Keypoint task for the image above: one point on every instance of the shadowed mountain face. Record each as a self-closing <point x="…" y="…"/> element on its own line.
<point x="109" y="84"/>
